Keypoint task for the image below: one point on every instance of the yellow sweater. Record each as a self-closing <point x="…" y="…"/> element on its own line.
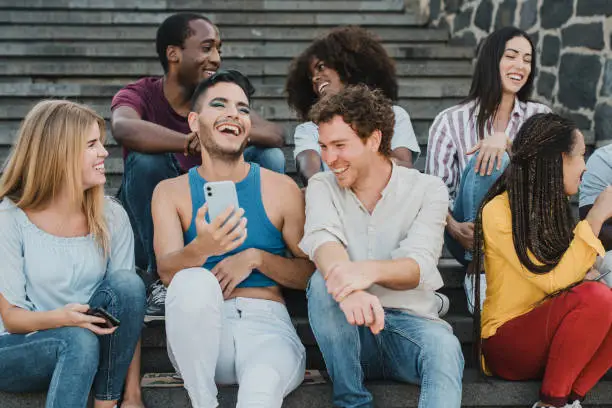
<point x="511" y="289"/>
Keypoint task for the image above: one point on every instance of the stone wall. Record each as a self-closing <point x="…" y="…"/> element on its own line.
<point x="574" y="50"/>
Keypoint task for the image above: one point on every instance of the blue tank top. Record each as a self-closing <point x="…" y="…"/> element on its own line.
<point x="262" y="234"/>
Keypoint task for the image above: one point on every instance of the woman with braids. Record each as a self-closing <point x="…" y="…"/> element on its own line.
<point x="486" y="122"/>
<point x="541" y="319"/>
<point x="345" y="56"/>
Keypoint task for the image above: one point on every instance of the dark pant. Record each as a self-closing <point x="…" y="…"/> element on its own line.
<point x="141" y="174"/>
<point x="68" y="360"/>
<point x="567" y="341"/>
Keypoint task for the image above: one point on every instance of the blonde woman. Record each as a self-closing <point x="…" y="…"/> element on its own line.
<point x="64" y="249"/>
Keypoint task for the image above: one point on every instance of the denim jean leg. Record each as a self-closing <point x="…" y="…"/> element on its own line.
<point x="123" y="295"/>
<point x="62" y="361"/>
<point x="473" y="190"/>
<point x="142" y="172"/>
<point x="340" y="345"/>
<point x="421" y="351"/>
<point x="271" y="158"/>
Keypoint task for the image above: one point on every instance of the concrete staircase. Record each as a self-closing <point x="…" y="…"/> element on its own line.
<point x="86" y="50"/>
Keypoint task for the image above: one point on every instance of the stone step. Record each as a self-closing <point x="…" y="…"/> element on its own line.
<point x="8" y="131"/>
<point x="21" y="67"/>
<point x="408" y="88"/>
<point x="477" y="392"/>
<point x="345" y="16"/>
<point x="155" y="358"/>
<point x="131" y="33"/>
<point x="204" y="7"/>
<point x="272" y="109"/>
<point x="238" y="49"/>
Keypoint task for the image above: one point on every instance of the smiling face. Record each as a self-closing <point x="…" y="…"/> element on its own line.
<point x="515" y="64"/>
<point x="346" y="154"/>
<point x="200" y="56"/>
<point x="573" y="165"/>
<point x="325" y="80"/>
<point x="93" y="159"/>
<point x="223" y="122"/>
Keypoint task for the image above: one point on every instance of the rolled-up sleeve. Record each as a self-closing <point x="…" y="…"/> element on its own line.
<point x="323" y="220"/>
<point x="403" y="133"/>
<point x="597" y="177"/>
<point x="306" y="137"/>
<point x="424" y="239"/>
<point x="12" y="273"/>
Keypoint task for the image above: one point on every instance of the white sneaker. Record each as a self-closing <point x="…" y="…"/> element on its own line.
<point x="575" y="404"/>
<point x="443" y="304"/>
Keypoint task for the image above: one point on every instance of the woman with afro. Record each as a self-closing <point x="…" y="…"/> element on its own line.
<point x="345" y="56"/>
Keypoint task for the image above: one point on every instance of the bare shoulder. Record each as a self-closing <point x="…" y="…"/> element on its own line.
<point x="172" y="188"/>
<point x="279" y="183"/>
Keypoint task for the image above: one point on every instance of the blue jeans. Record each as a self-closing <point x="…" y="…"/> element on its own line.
<point x="472" y="191"/>
<point x="68" y="360"/>
<point x="142" y="172"/>
<point x="269" y="158"/>
<point x="409" y="349"/>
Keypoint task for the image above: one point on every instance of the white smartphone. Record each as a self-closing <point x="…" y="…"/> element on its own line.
<point x="220" y="195"/>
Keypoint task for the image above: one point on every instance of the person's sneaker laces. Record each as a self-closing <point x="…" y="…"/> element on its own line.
<point x="443" y="304"/>
<point x="156" y="303"/>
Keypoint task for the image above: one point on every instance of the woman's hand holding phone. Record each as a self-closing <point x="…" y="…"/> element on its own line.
<point x="224" y="234"/>
<point x="75" y="315"/>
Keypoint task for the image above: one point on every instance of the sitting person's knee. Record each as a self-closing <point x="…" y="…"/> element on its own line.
<point x="126" y="284"/>
<point x="595" y="294"/>
<point x="495" y="173"/>
<point x="194" y="289"/>
<point x="83" y="343"/>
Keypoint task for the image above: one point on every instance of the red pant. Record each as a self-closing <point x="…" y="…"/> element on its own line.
<point x="566" y="341"/>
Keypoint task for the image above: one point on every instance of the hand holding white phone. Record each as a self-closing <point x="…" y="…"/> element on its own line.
<point x="225" y="229"/>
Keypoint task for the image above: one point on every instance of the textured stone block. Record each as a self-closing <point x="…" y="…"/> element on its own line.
<point x="603" y="122"/>
<point x="505" y="14"/>
<point x="606" y="89"/>
<point x="529" y="14"/>
<point x="590" y="35"/>
<point x="484" y="15"/>
<point x="593" y="7"/>
<point x="452" y="6"/>
<point x="463" y="19"/>
<point x="551" y="48"/>
<point x="554" y="13"/>
<point x="578" y="78"/>
<point x="546" y="84"/>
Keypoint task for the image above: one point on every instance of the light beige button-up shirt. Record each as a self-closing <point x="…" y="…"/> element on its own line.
<point x="407" y="222"/>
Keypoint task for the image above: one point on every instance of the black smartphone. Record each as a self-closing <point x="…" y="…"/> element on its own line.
<point x="111" y="321"/>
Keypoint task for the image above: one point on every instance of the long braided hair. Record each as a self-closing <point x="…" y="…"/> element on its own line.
<point x="542" y="221"/>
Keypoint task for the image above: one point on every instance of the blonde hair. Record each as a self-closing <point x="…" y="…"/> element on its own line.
<point x="47" y="158"/>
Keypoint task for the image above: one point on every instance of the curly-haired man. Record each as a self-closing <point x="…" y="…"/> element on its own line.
<point x="345" y="56"/>
<point x="375" y="232"/>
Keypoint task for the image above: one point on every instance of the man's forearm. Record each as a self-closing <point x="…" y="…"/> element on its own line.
<point x="265" y="133"/>
<point x="402" y="157"/>
<point x="396" y="274"/>
<point x="146" y="137"/>
<point x="292" y="273"/>
<point x="174" y="262"/>
<point x="308" y="163"/>
<point x="329" y="254"/>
